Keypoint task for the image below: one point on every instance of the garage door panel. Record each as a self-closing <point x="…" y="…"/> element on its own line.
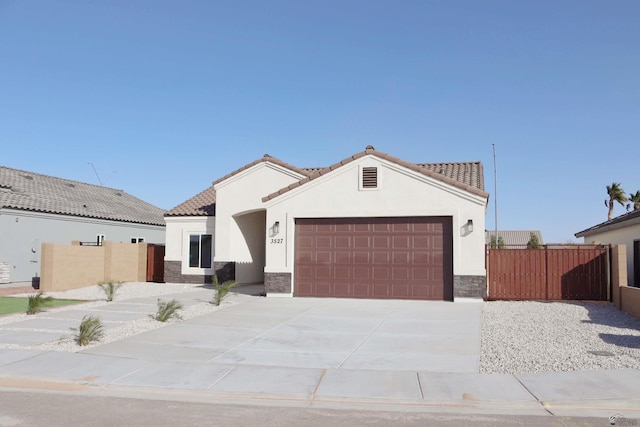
<point x="323" y="257"/>
<point x="323" y="272"/>
<point x="381" y="273"/>
<point x="343" y="242"/>
<point x="343" y="258"/>
<point x="400" y="273"/>
<point x="362" y="289"/>
<point x="323" y="242"/>
<point x="401" y="242"/>
<point x="343" y="228"/>
<point x="374" y="258"/>
<point x="361" y="242"/>
<point x="360" y="227"/>
<point x="401" y="291"/>
<point x="361" y="258"/>
<point x="381" y="227"/>
<point x="381" y="258"/>
<point x="323" y="288"/>
<point x="341" y="273"/>
<point x="382" y="242"/>
<point x="341" y="289"/>
<point x="381" y="291"/>
<point x="361" y="273"/>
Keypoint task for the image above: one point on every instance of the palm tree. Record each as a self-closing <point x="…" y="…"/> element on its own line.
<point x="635" y="198"/>
<point x="616" y="194"/>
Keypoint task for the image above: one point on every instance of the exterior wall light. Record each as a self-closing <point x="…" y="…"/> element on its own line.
<point x="470" y="226"/>
<point x="276" y="228"/>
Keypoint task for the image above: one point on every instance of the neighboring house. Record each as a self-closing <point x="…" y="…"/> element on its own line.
<point x="513" y="239"/>
<point x="370" y="226"/>
<point x="35" y="209"/>
<point x="622" y="230"/>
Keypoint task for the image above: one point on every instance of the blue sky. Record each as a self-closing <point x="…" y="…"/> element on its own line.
<point x="172" y="95"/>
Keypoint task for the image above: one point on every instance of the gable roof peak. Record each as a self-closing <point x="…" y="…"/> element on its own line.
<point x="369" y="148"/>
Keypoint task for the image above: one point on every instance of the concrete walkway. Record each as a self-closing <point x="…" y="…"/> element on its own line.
<point x="373" y="354"/>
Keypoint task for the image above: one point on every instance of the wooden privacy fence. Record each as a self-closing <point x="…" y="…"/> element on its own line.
<point x="575" y="272"/>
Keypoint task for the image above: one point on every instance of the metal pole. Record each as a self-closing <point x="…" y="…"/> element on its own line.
<point x="495" y="193"/>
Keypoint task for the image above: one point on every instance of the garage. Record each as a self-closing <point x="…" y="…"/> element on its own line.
<point x="399" y="258"/>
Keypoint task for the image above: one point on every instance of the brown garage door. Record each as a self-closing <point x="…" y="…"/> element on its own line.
<point x="404" y="258"/>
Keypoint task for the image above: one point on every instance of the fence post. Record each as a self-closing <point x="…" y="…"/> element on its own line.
<point x="608" y="272"/>
<point x="546" y="273"/>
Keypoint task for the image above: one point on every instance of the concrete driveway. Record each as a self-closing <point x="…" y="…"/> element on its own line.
<point x="342" y="334"/>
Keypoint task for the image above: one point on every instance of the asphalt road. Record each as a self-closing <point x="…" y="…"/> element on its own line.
<point x="22" y="408"/>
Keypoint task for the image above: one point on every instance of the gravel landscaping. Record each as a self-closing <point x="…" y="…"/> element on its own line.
<point x="117" y="330"/>
<point x="517" y="336"/>
<point x="527" y="336"/>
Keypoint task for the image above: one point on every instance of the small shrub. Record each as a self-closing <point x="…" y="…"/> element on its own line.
<point x="90" y="330"/>
<point x="38" y="302"/>
<point x="110" y="289"/>
<point x="221" y="289"/>
<point x="167" y="310"/>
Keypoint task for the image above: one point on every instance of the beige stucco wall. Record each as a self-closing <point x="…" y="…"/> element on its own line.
<point x="240" y="230"/>
<point x="400" y="192"/>
<point x="73" y="266"/>
<point x="621" y="236"/>
<point x="626" y="298"/>
<point x="177" y="240"/>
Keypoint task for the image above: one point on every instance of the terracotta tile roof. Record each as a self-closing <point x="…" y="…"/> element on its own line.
<point x="624" y="220"/>
<point x="204" y="203"/>
<point x="467" y="176"/>
<point x="470" y="173"/>
<point x="30" y="191"/>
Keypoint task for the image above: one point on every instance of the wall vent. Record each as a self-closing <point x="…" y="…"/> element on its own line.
<point x="370" y="177"/>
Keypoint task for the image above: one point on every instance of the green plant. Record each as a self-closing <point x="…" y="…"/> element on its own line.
<point x="635" y="198"/>
<point x="90" y="330"/>
<point x="167" y="310"/>
<point x="110" y="289"/>
<point x="221" y="289"/>
<point x="10" y="305"/>
<point x="498" y="245"/>
<point x="616" y="194"/>
<point x="534" y="241"/>
<point x="37" y="302"/>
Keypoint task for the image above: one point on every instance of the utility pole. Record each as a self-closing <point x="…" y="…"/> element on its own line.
<point x="495" y="193"/>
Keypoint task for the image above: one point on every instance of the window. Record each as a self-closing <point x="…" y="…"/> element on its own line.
<point x="137" y="240"/>
<point x="200" y="250"/>
<point x="369" y="177"/>
<point x="99" y="239"/>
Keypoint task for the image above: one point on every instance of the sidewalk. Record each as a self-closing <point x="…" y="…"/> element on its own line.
<point x="179" y="362"/>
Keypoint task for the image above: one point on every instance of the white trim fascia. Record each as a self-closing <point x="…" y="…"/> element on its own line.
<point x="611" y="227"/>
<point x="246" y="172"/>
<point x="479" y="200"/>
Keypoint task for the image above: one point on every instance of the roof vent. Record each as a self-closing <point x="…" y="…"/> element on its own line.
<point x="369" y="148"/>
<point x="70" y="185"/>
<point x="370" y="177"/>
<point x="29" y="177"/>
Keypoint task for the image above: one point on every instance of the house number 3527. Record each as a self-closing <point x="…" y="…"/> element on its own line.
<point x="276" y="241"/>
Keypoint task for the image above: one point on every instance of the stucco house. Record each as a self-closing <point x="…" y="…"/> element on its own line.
<point x="369" y="226"/>
<point x="36" y="209"/>
<point x="622" y="230"/>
